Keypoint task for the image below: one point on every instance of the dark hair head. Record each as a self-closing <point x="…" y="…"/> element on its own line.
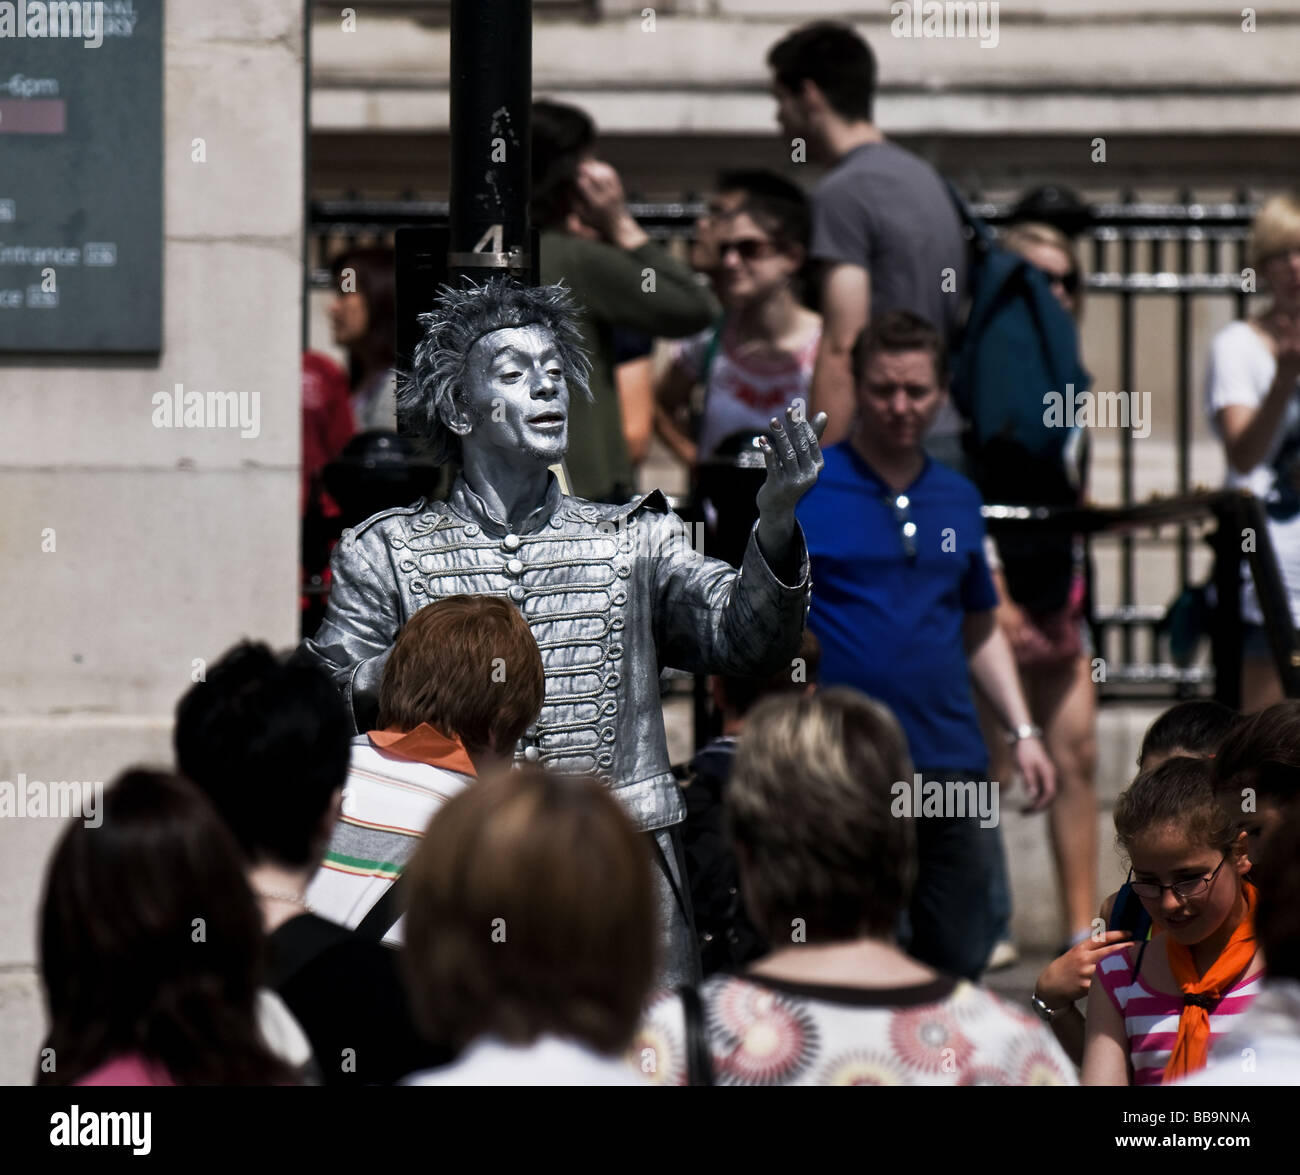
<point x="268" y="744"/>
<point x="373" y="271"/>
<point x="459" y="318"/>
<point x="1262" y="752"/>
<point x="741" y="693"/>
<point x="1277" y="921"/>
<point x="561" y="136"/>
<point x="530" y="911"/>
<point x="760" y="182"/>
<point x="785" y="221"/>
<point x="832" y="56"/>
<point x="151" y="941"/>
<point x="1178" y="792"/>
<point x="1056" y="205"/>
<point x="1195" y="728"/>
<point x="897" y="331"/>
<point x="809" y="804"/>
<point x="468" y="666"/>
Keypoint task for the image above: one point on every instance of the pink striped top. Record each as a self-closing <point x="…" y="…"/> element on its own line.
<point x="1151" y="1017"/>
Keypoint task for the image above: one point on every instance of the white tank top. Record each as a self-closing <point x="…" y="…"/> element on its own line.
<point x="743" y="394"/>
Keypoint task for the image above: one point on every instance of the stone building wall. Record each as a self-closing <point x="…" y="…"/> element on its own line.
<point x="168" y="544"/>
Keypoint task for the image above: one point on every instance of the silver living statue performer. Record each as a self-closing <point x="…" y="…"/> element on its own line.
<point x="612" y="593"/>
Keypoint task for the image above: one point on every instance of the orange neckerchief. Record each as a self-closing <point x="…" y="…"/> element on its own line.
<point x="425" y="744"/>
<point x="1193" y="1044"/>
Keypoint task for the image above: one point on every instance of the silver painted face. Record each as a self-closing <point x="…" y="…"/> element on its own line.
<point x="516" y="395"/>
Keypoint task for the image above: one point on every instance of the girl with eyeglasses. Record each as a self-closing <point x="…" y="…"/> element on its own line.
<point x="1158" y="1004"/>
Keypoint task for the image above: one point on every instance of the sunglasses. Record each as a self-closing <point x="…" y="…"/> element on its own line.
<point x="901" y="505"/>
<point x="747" y="249"/>
<point x="1069" y="282"/>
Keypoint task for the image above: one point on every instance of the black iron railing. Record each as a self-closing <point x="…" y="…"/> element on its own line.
<point x="1236" y="515"/>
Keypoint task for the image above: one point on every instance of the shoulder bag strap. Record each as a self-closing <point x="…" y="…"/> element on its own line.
<point x="699" y="1058"/>
<point x="383" y="915"/>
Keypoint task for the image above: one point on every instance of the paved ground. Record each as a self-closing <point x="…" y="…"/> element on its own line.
<point x="1017" y="983"/>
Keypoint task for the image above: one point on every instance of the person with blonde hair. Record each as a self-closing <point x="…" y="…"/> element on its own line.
<point x="530" y="937"/>
<point x="1042" y="591"/>
<point x="1251" y="392"/>
<point x="1046" y="247"/>
<point x="827" y="858"/>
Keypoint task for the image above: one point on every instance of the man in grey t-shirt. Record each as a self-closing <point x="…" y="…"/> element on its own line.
<point x="883" y="224"/>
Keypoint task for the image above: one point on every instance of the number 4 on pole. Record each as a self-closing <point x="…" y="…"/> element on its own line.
<point x="490" y="241"/>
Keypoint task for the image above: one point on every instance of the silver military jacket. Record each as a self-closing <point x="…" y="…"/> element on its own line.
<point x="611" y="594"/>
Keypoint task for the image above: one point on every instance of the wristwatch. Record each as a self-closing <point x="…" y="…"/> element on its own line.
<point x="1046" y="1014"/>
<point x="1023" y="731"/>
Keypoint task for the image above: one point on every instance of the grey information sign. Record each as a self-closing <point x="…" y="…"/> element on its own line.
<point x="81" y="94"/>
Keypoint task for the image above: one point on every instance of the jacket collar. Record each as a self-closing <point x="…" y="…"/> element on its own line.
<point x="472" y="508"/>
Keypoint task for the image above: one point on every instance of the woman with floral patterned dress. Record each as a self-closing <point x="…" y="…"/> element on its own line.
<point x="826" y="861"/>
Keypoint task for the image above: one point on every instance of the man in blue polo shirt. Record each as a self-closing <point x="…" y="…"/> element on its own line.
<point x="903" y="604"/>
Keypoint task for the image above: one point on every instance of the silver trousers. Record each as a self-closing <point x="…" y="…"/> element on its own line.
<point x="679" y="953"/>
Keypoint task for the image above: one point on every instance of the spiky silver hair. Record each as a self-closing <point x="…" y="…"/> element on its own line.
<point x="459" y="318"/>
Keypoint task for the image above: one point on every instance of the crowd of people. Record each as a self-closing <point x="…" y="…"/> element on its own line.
<point x="213" y="929"/>
<point x="386" y="873"/>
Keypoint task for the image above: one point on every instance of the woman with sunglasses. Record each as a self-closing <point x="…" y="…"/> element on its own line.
<point x="758" y="358"/>
<point x="1158" y="1004"/>
<point x="1251" y="385"/>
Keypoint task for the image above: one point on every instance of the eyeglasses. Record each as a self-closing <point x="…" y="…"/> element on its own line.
<point x="901" y="505"/>
<point x="1193" y="887"/>
<point x="747" y="249"/>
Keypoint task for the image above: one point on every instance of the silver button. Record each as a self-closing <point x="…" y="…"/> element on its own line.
<point x="607" y="734"/>
<point x="612" y="680"/>
<point x="610" y="707"/>
<point x="615" y="652"/>
<point x="471" y="529"/>
<point x="624" y="571"/>
<point x="620" y="598"/>
<point x="515" y="567"/>
<point x="605" y="760"/>
<point x="617" y="624"/>
<point x="516" y="592"/>
<point x="511" y="542"/>
<point x="532" y="754"/>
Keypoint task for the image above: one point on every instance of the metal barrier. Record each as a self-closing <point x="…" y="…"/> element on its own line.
<point x="1236" y="514"/>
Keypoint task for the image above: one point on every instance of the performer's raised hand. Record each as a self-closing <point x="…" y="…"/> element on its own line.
<point x="794" y="459"/>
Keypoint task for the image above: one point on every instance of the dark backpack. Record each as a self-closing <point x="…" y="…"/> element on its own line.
<point x="1018" y="344"/>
